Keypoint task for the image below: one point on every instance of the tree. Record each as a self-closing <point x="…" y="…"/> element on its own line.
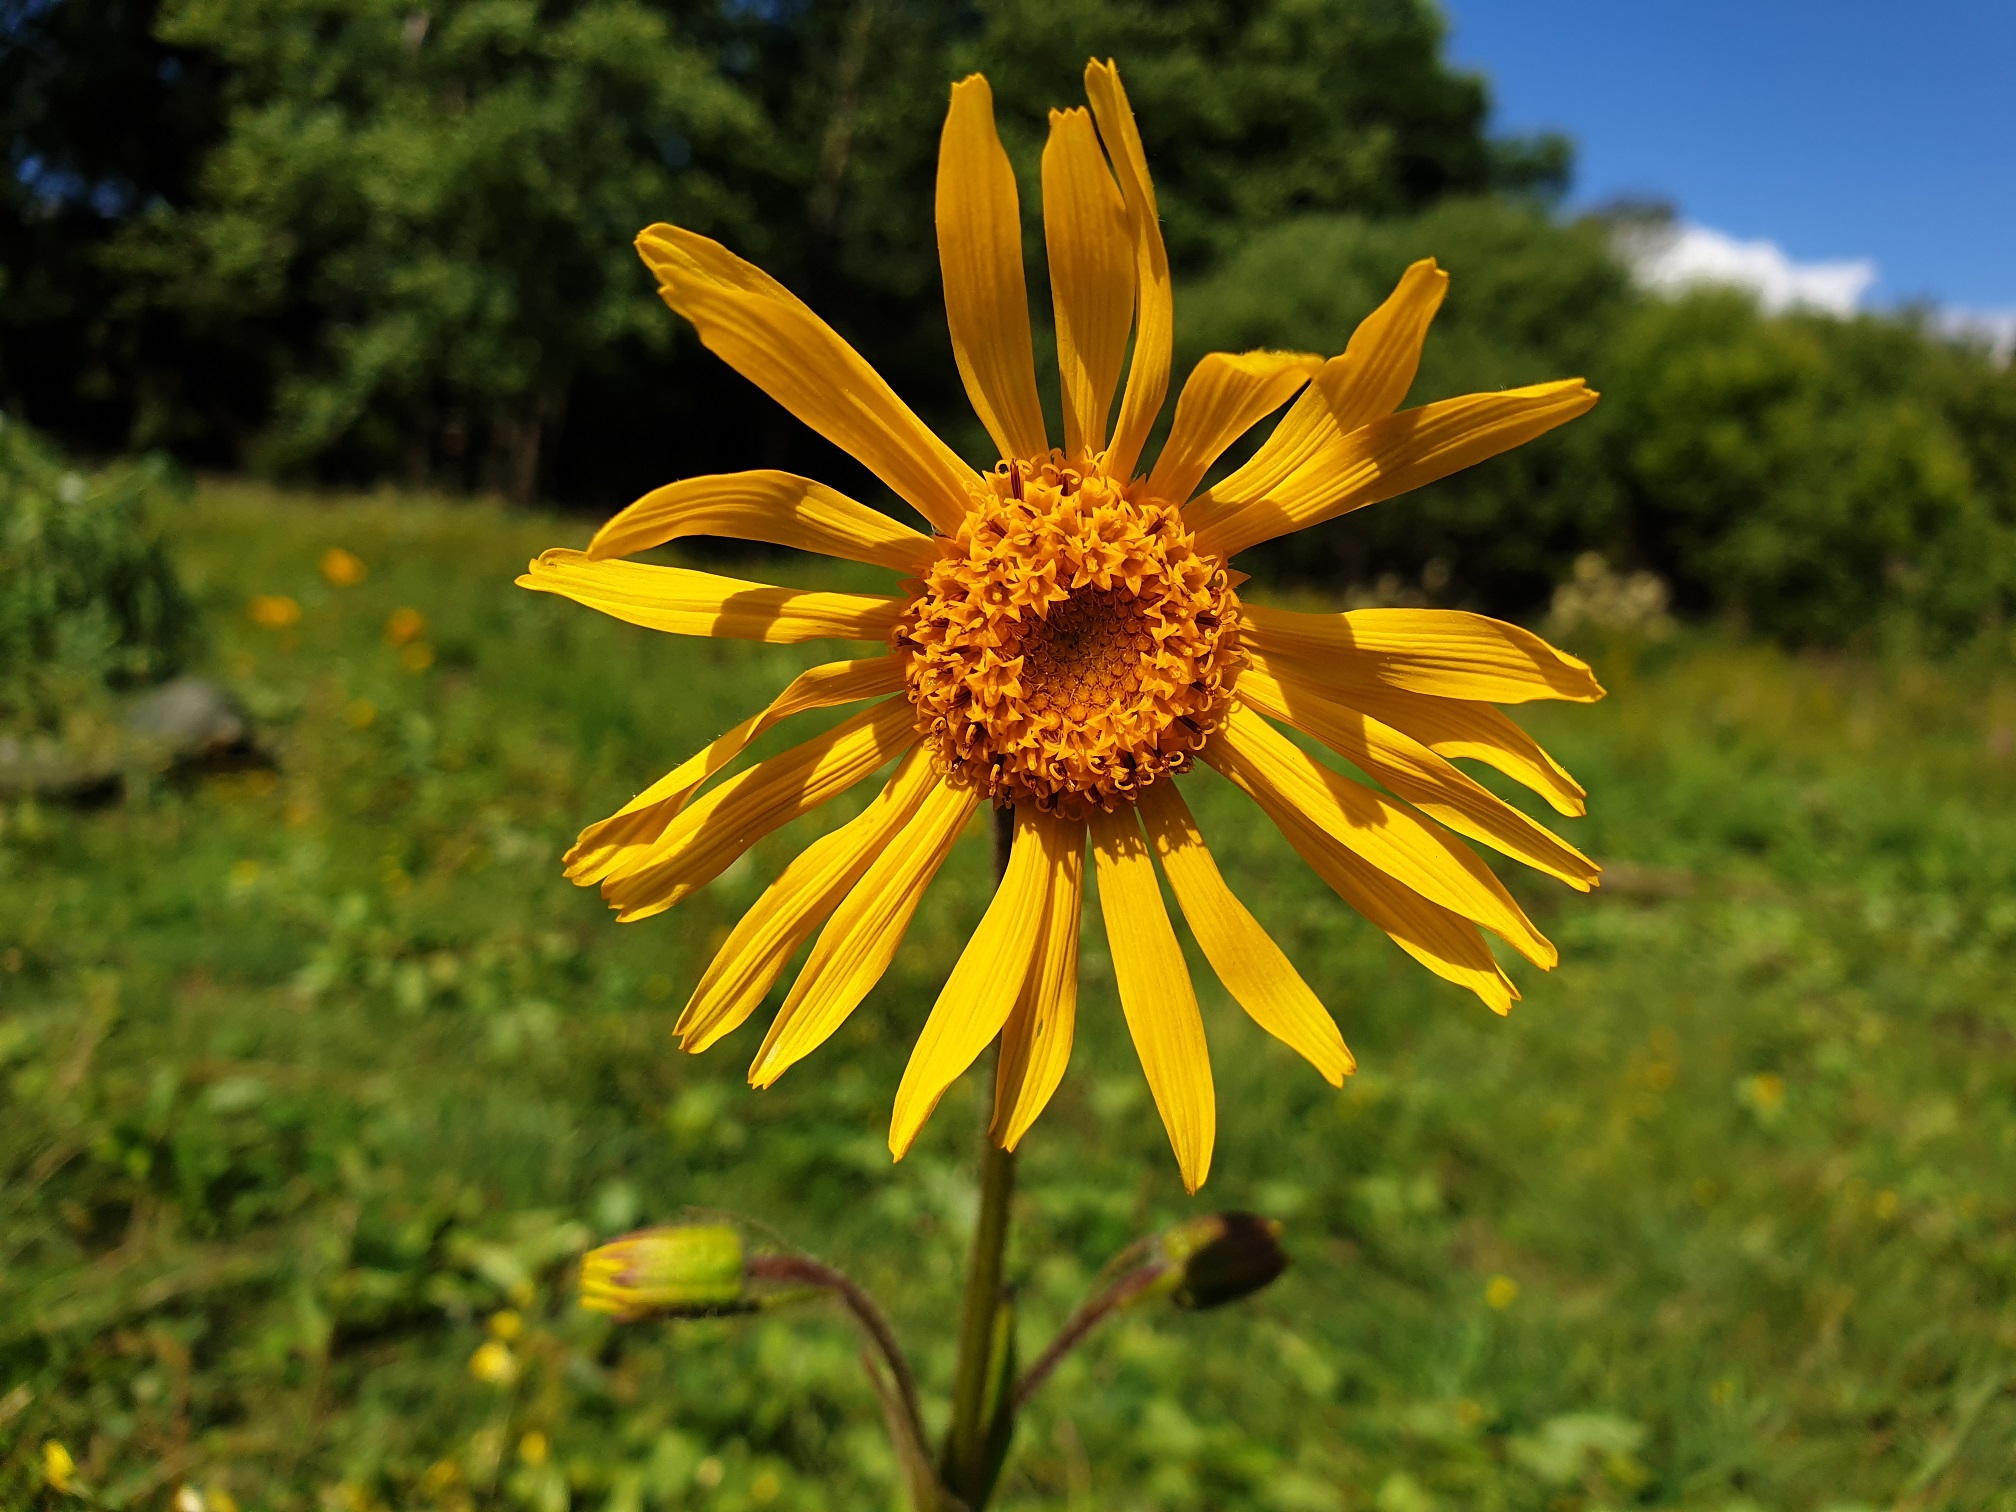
<point x="100" y="120"/>
<point x="428" y="214"/>
<point x="408" y="246"/>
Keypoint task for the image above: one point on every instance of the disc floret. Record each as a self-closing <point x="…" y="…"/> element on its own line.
<point x="1070" y="645"/>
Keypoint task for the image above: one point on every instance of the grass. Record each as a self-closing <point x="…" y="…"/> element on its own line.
<point x="319" y="1076"/>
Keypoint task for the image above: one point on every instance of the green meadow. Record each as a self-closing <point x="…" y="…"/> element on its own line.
<point x="318" y="1077"/>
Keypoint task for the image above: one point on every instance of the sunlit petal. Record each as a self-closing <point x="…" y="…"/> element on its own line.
<point x="766" y="333"/>
<point x="680" y="601"/>
<point x="1155" y="992"/>
<point x="763" y="506"/>
<point x="1091" y="277"/>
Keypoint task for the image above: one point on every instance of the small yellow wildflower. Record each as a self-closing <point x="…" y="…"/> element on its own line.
<point x="342" y="569"/>
<point x="405" y="626"/>
<point x="506" y="1324"/>
<point x="442" y="1476"/>
<point x="494" y="1362"/>
<point x="57" y="1467"/>
<point x="1067" y="641"/>
<point x="273" y="611"/>
<point x="533" y="1448"/>
<point x="1765" y="1093"/>
<point x="1500" y="1292"/>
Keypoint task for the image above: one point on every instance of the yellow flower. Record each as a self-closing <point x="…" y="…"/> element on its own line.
<point x="58" y="1468"/>
<point x="1068" y="639"/>
<point x="273" y="611"/>
<point x="494" y="1362"/>
<point x="404" y="627"/>
<point x="343" y="569"/>
<point x="506" y="1325"/>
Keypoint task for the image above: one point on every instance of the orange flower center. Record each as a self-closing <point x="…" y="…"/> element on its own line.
<point x="1070" y="645"/>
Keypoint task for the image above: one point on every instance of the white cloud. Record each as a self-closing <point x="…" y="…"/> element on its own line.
<point x="1682" y="256"/>
<point x="1996" y="327"/>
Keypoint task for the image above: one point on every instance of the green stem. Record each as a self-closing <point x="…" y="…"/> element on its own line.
<point x="966" y="1437"/>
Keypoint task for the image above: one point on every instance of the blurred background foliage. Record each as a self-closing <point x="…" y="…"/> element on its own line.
<point x="379" y="240"/>
<point x="90" y="600"/>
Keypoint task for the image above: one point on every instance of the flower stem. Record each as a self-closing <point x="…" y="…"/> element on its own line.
<point x="966" y="1439"/>
<point x="1115" y="1298"/>
<point x="802" y="1270"/>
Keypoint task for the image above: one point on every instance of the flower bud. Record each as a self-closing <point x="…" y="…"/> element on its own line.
<point x="680" y="1269"/>
<point x="1222" y="1258"/>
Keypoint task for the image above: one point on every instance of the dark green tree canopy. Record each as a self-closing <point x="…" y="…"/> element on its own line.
<point x="411" y="232"/>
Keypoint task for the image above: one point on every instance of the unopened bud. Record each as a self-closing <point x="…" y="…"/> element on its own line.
<point x="682" y="1269"/>
<point x="1222" y="1258"/>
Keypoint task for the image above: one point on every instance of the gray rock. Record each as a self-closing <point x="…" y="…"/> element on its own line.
<point x="181" y="723"/>
<point x="44" y="765"/>
<point x="188" y="718"/>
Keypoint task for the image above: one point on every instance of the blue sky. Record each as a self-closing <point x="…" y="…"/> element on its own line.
<point x="1839" y="131"/>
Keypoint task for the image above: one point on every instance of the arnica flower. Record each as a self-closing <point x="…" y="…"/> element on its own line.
<point x="676" y="1268"/>
<point x="1067" y="640"/>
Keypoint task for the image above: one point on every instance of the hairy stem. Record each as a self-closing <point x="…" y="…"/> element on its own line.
<point x="1090" y="1314"/>
<point x="800" y="1270"/>
<point x="966" y="1437"/>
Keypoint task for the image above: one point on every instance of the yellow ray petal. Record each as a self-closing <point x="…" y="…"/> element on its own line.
<point x="1154" y="300"/>
<point x="699" y="844"/>
<point x="1450" y="653"/>
<point x="1249" y="963"/>
<point x="983" y="987"/>
<point x="1367" y="381"/>
<point x="1036" y="1042"/>
<point x="764" y="506"/>
<point x="766" y="333"/>
<point x="1448" y="945"/>
<point x="643" y="819"/>
<point x="1391" y="456"/>
<point x="1410" y="849"/>
<point x="860" y="940"/>
<point x="1224" y="397"/>
<point x="980" y="255"/>
<point x="1155" y="991"/>
<point x="1384" y="353"/>
<point x="769" y="934"/>
<point x="1451" y="727"/>
<point x="683" y="602"/>
<point x="1091" y="276"/>
<point x="1411" y="771"/>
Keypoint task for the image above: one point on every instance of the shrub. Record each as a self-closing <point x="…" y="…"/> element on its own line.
<point x="89" y="598"/>
<point x="1808" y="476"/>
